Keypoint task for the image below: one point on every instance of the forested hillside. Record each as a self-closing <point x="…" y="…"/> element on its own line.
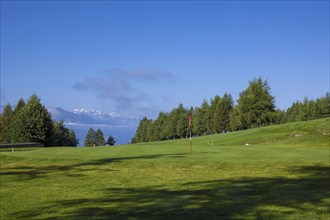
<point x="254" y="108"/>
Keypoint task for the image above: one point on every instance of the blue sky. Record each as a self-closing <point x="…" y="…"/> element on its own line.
<point x="140" y="58"/>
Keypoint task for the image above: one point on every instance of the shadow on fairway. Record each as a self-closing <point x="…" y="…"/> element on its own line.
<point x="39" y="171"/>
<point x="303" y="197"/>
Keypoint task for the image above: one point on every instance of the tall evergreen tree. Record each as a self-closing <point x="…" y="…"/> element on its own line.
<point x="224" y="109"/>
<point x="62" y="136"/>
<point x="99" y="138"/>
<point x="182" y="121"/>
<point x="21" y="103"/>
<point x="142" y="132"/>
<point x="197" y="118"/>
<point x="216" y="114"/>
<point x="256" y="106"/>
<point x="207" y="114"/>
<point x="90" y="139"/>
<point x="235" y="120"/>
<point x="202" y="119"/>
<point x="160" y="126"/>
<point x="32" y="123"/>
<point x="5" y="120"/>
<point x="172" y="125"/>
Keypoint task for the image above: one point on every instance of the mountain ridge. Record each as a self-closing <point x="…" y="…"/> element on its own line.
<point x="121" y="127"/>
<point x="91" y="117"/>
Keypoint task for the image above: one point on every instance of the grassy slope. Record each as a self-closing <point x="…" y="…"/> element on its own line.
<point x="277" y="176"/>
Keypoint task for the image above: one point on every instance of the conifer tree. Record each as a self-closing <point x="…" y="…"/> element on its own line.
<point x="256" y="106"/>
<point x="182" y="121"/>
<point x="32" y="123"/>
<point x="90" y="139"/>
<point x="62" y="136"/>
<point x="216" y="114"/>
<point x="21" y="103"/>
<point x="99" y="138"/>
<point x="111" y="141"/>
<point x="5" y="120"/>
<point x="225" y="108"/>
<point x="160" y="125"/>
<point x="197" y="121"/>
<point x="142" y="132"/>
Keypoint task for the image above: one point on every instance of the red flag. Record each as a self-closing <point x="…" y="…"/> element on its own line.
<point x="189" y="119"/>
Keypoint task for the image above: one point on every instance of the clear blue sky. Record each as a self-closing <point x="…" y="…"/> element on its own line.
<point x="140" y="58"/>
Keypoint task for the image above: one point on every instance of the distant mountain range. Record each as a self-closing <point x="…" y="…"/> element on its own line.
<point x="83" y="116"/>
<point x="121" y="127"/>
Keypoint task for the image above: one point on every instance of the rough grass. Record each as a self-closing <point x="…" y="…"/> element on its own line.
<point x="277" y="176"/>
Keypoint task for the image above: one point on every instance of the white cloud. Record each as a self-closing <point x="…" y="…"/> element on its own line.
<point x="118" y="87"/>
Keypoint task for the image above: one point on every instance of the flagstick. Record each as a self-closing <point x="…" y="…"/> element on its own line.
<point x="190" y="142"/>
<point x="190" y="129"/>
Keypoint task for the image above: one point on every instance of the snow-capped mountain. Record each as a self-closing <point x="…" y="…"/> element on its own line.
<point x="91" y="117"/>
<point x="93" y="112"/>
<point x="81" y="119"/>
<point x="88" y="111"/>
<point x="121" y="127"/>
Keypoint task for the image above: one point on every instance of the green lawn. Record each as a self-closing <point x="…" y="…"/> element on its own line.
<point x="282" y="174"/>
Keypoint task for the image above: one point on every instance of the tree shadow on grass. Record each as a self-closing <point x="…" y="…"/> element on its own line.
<point x="304" y="197"/>
<point x="38" y="171"/>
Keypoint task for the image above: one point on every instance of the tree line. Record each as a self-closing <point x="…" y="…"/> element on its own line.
<point x="31" y="122"/>
<point x="96" y="138"/>
<point x="255" y="108"/>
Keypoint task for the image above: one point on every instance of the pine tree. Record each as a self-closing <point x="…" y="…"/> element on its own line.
<point x="90" y="139"/>
<point x="235" y="120"/>
<point x="111" y="141"/>
<point x="197" y="121"/>
<point x="202" y="119"/>
<point x="5" y="120"/>
<point x="256" y="106"/>
<point x="216" y="114"/>
<point x="224" y="109"/>
<point x="160" y="125"/>
<point x="172" y="125"/>
<point x="182" y="121"/>
<point x="21" y="103"/>
<point x="62" y="136"/>
<point x="206" y="121"/>
<point x="73" y="140"/>
<point x="32" y="123"/>
<point x="99" y="138"/>
<point x="142" y="132"/>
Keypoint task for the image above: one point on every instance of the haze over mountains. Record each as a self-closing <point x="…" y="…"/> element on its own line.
<point x="121" y="127"/>
<point x="91" y="116"/>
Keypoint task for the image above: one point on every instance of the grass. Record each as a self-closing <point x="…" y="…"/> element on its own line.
<point x="279" y="175"/>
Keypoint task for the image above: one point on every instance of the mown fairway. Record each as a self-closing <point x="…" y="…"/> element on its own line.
<point x="282" y="174"/>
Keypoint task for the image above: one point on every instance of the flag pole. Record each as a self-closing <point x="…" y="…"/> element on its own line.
<point x="190" y="128"/>
<point x="190" y="142"/>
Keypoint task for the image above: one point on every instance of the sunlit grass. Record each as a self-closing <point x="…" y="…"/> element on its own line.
<point x="271" y="178"/>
